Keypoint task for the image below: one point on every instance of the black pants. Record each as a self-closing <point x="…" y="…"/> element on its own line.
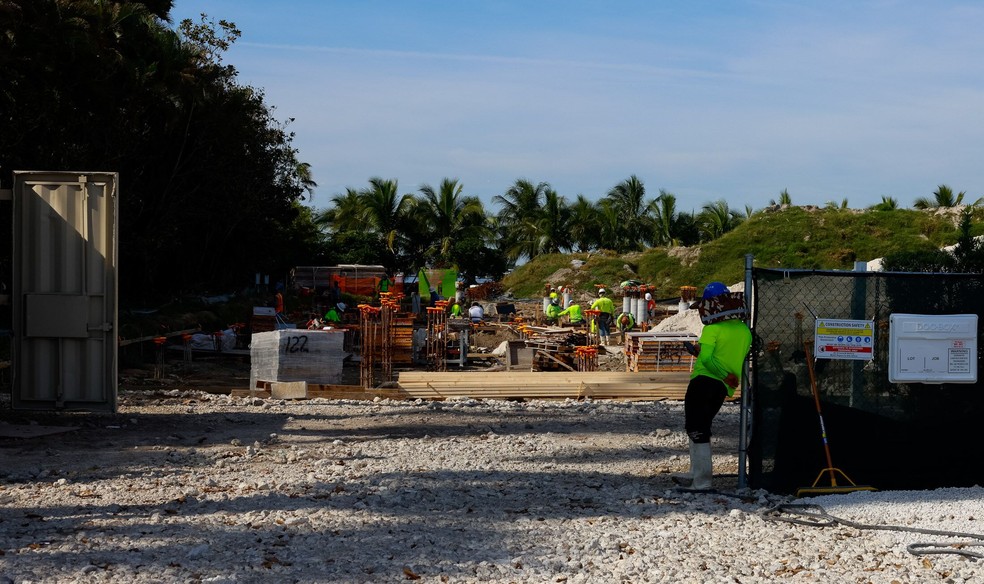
<point x="704" y="398"/>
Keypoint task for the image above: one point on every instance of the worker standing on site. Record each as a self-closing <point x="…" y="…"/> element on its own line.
<point x="650" y="308"/>
<point x="456" y="309"/>
<point x="721" y="352"/>
<point x="605" y="305"/>
<point x="384" y="284"/>
<point x="278" y="299"/>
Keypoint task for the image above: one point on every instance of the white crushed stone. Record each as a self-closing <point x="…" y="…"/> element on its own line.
<point x="192" y="487"/>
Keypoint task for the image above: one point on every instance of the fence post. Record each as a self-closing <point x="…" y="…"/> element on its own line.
<point x="745" y="398"/>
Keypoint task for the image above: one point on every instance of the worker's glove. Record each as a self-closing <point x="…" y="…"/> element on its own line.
<point x="732" y="380"/>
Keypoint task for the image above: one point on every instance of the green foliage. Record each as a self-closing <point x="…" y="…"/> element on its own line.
<point x="967" y="255"/>
<point x="209" y="179"/>
<point x="942" y="197"/>
<point x="792" y="237"/>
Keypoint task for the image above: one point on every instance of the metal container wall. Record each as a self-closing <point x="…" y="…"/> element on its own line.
<point x="64" y="290"/>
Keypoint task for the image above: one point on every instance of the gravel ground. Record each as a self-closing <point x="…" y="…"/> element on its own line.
<point x="184" y="486"/>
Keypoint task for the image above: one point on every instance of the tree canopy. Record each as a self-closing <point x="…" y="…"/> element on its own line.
<point x="210" y="182"/>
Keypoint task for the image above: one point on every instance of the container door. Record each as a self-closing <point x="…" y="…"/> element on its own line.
<point x="64" y="290"/>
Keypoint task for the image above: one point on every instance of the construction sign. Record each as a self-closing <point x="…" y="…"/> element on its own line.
<point x="844" y="339"/>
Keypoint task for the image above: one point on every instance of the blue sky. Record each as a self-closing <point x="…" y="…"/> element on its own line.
<point x="708" y="100"/>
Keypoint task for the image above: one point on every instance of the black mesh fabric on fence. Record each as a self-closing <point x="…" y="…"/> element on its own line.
<point x="882" y="434"/>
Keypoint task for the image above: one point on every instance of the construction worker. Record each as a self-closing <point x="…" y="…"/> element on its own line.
<point x="456" y="310"/>
<point x="721" y="352"/>
<point x="625" y="322"/>
<point x="476" y="313"/>
<point x="334" y="314"/>
<point x="553" y="310"/>
<point x="573" y="312"/>
<point x="384" y="284"/>
<point x="607" y="309"/>
<point x="278" y="299"/>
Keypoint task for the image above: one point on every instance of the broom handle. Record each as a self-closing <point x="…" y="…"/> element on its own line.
<point x="808" y="346"/>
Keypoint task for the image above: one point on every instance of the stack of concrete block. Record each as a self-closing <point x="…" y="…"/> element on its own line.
<point x="297" y="355"/>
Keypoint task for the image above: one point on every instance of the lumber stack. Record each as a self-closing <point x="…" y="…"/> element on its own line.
<point x="545" y="385"/>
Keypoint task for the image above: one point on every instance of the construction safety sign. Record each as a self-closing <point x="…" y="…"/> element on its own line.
<point x="844" y="339"/>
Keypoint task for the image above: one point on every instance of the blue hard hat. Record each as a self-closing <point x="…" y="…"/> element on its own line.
<point x="715" y="289"/>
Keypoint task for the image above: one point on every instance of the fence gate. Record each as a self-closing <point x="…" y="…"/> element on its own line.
<point x="64" y="290"/>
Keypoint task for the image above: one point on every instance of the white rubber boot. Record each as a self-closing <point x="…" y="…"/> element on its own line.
<point x="701" y="466"/>
<point x="685" y="480"/>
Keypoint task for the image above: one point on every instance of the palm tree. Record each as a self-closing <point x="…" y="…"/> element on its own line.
<point x="716" y="219"/>
<point x="584" y="224"/>
<point x="784" y="199"/>
<point x="520" y="206"/>
<point x="384" y="209"/>
<point x="887" y="204"/>
<point x="451" y="217"/>
<point x="665" y="218"/>
<point x="610" y="234"/>
<point x="553" y="224"/>
<point x="942" y="197"/>
<point x="346" y="213"/>
<point x="304" y="178"/>
<point x="635" y="213"/>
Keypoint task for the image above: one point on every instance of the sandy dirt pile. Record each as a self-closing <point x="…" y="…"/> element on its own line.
<point x="185" y="486"/>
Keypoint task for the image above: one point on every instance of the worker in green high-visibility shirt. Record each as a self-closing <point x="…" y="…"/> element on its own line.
<point x="605" y="305"/>
<point x="553" y="311"/>
<point x="721" y="352"/>
<point x="574" y="313"/>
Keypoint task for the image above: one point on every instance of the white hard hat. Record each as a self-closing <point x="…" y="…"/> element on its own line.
<point x="649" y="296"/>
<point x="601" y="291"/>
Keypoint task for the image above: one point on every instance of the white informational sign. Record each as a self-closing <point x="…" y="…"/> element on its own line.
<point x="932" y="348"/>
<point x="844" y="339"/>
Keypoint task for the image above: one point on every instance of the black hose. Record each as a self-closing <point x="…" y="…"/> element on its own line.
<point x="816" y="516"/>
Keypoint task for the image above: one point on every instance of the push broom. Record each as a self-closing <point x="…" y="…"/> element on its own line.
<point x="833" y="488"/>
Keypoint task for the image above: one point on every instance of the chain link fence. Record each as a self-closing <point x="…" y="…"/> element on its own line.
<point x="882" y="434"/>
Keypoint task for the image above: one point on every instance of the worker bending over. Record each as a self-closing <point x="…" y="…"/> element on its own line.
<point x="574" y="313"/>
<point x="553" y="311"/>
<point x="476" y="313"/>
